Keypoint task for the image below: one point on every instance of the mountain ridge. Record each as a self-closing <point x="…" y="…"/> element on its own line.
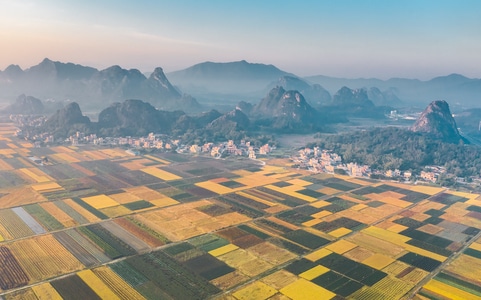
<point x="91" y="87"/>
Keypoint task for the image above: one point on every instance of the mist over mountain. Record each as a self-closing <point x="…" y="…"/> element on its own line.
<point x="231" y="81"/>
<point x="454" y="88"/>
<point x="25" y="105"/>
<point x="92" y="88"/>
<point x="383" y="98"/>
<point x="222" y="86"/>
<point x="289" y="111"/>
<point x="234" y="120"/>
<point x="315" y="94"/>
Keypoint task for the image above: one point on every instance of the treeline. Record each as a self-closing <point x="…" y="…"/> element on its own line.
<point x="396" y="148"/>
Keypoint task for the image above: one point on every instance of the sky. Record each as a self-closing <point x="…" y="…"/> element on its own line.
<point x="342" y="38"/>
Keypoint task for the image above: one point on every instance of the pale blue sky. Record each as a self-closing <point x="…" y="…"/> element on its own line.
<point x="345" y="38"/>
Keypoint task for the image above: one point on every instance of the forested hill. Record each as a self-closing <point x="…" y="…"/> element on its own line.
<point x="395" y="148"/>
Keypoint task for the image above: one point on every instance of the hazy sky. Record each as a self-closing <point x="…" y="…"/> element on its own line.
<point x="346" y="38"/>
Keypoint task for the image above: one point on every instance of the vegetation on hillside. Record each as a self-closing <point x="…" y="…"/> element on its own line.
<point x="395" y="148"/>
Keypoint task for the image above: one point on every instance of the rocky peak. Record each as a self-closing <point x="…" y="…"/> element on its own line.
<point x="438" y="121"/>
<point x="26" y="105"/>
<point x="13" y="71"/>
<point x="158" y="80"/>
<point x="352" y="97"/>
<point x="233" y="120"/>
<point x="66" y="118"/>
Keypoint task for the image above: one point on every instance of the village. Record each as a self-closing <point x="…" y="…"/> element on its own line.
<point x="320" y="160"/>
<point x="313" y="159"/>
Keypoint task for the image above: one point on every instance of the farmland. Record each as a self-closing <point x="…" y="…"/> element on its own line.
<point x="97" y="223"/>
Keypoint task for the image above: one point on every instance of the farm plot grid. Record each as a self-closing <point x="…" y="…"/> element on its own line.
<point x="96" y="223"/>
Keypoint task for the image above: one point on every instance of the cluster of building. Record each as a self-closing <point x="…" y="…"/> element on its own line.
<point x="28" y="120"/>
<point x="228" y="148"/>
<point x="163" y="142"/>
<point x="318" y="160"/>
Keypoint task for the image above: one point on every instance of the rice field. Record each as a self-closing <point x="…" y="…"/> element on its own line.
<point x="98" y="223"/>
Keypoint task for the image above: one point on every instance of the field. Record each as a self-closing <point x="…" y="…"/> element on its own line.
<point x="97" y="223"/>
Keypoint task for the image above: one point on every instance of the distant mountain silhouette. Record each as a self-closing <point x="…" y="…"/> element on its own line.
<point x="135" y="118"/>
<point x="454" y="88"/>
<point x="26" y="105"/>
<point x="315" y="94"/>
<point x="289" y="111"/>
<point x="355" y="103"/>
<point x="387" y="97"/>
<point x="234" y="120"/>
<point x="438" y="121"/>
<point x="232" y="81"/>
<point x="67" y="121"/>
<point x="94" y="88"/>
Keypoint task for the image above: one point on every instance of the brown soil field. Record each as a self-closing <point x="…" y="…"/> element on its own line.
<point x="138" y="232"/>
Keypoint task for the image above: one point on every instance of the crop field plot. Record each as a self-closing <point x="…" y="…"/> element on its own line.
<point x="95" y="223"/>
<point x="43" y="257"/>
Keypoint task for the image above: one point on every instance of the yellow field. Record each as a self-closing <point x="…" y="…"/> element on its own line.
<point x="115" y="211"/>
<point x="100" y="201"/>
<point x="415" y="276"/>
<point x="58" y="214"/>
<point x="378" y="261"/>
<point x="157" y="159"/>
<point x="159" y="173"/>
<point x="47" y="187"/>
<point x="341" y="246"/>
<point x="7" y="152"/>
<point x="448" y="291"/>
<point x="396" y="228"/>
<point x="426" y="189"/>
<point x="387" y="288"/>
<point x="223" y="250"/>
<point x="62" y="149"/>
<point x="306" y="290"/>
<point x="271" y="253"/>
<point x="376" y="245"/>
<point x="396" y="202"/>
<point x="35" y="174"/>
<point x="314" y="272"/>
<point x="94" y="155"/>
<point x="181" y="221"/>
<point x="245" y="262"/>
<point x="229" y="280"/>
<point x="318" y="254"/>
<point x="215" y="187"/>
<point x="468" y="267"/>
<point x="97" y="285"/>
<point x="254" y="291"/>
<point x="386" y="235"/>
<point x="145" y="193"/>
<point x="123" y="198"/>
<point x="279" y="279"/>
<point x="163" y="202"/>
<point x="5" y="166"/>
<point x="337" y="233"/>
<point x="65" y="157"/>
<point x="395" y="268"/>
<point x="328" y="191"/>
<point x="55" y="259"/>
<point x="359" y="254"/>
<point x="20" y="196"/>
<point x="45" y="291"/>
<point x="321" y="214"/>
<point x="85" y="213"/>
